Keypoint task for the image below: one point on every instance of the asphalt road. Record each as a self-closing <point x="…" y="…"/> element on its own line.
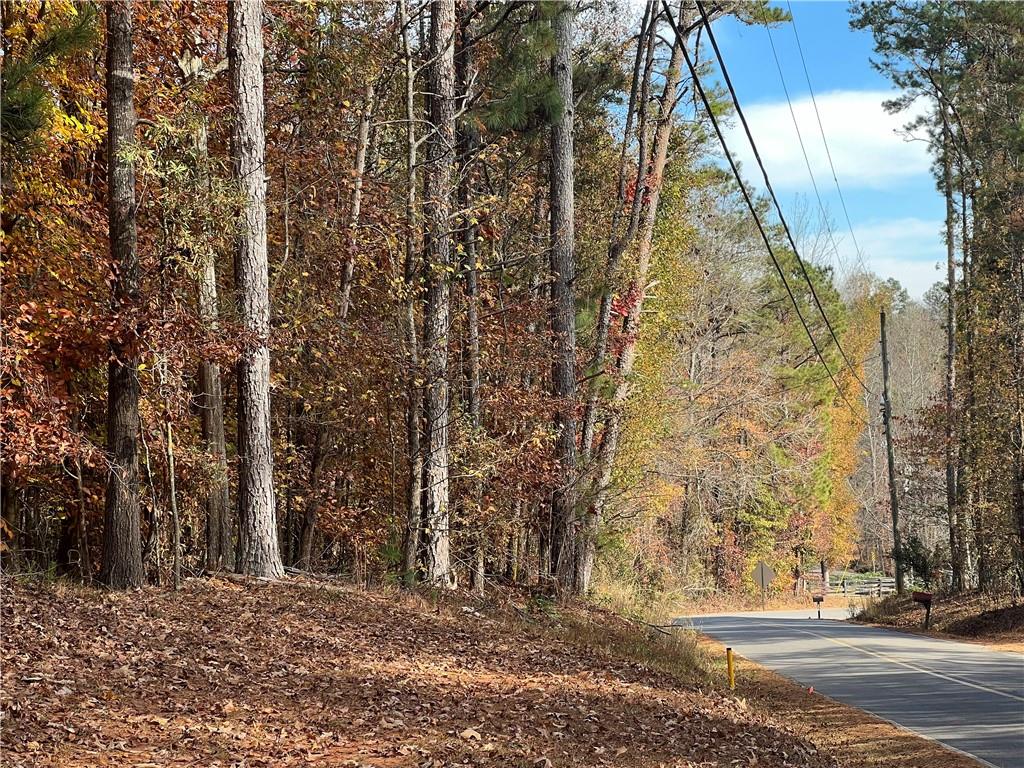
<point x="966" y="696"/>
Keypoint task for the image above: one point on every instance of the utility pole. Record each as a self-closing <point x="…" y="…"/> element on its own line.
<point x="887" y="421"/>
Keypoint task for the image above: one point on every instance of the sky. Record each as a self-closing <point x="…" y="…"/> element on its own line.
<point x="894" y="208"/>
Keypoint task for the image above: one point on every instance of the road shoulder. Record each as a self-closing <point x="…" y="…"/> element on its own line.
<point x="857" y="738"/>
<point x="993" y="621"/>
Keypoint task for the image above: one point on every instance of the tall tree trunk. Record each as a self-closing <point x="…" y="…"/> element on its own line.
<point x="634" y="301"/>
<point x="258" y="553"/>
<point x="219" y="549"/>
<point x="618" y="242"/>
<point x="563" y="305"/>
<point x="437" y="311"/>
<point x="468" y="142"/>
<point x="1017" y="429"/>
<point x="209" y="397"/>
<point x="358" y="172"/>
<point x="307" y="532"/>
<point x="414" y="404"/>
<point x="969" y="488"/>
<point x="122" y="538"/>
<point x="172" y="490"/>
<point x="955" y="538"/>
<point x="82" y="526"/>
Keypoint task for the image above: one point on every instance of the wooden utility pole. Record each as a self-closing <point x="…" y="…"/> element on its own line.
<point x="887" y="421"/>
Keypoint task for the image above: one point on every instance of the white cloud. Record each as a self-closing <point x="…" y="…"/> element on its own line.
<point x="916" y="276"/>
<point x="866" y="142"/>
<point x="914" y="239"/>
<point x="908" y="249"/>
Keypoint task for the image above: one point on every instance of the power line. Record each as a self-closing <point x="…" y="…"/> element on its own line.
<point x="750" y="204"/>
<point x="821" y="128"/>
<point x="799" y="135"/>
<point x="774" y="197"/>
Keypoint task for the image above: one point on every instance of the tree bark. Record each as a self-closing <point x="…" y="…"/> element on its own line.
<point x="969" y="488"/>
<point x="122" y="537"/>
<point x="468" y="144"/>
<point x="358" y="172"/>
<point x="563" y="306"/>
<point x="894" y="507"/>
<point x="258" y="553"/>
<point x="955" y="539"/>
<point x="209" y="397"/>
<point x="312" y="509"/>
<point x="634" y="300"/>
<point x="437" y="310"/>
<point x="414" y="404"/>
<point x="619" y="242"/>
<point x="82" y="527"/>
<point x="219" y="549"/>
<point x="175" y="517"/>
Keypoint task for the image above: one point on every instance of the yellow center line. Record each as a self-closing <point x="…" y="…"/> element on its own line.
<point x="893" y="660"/>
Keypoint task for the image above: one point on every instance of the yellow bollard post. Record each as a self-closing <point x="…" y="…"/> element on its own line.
<point x="732" y="670"/>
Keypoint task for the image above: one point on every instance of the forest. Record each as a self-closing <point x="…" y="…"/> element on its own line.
<point x="466" y="294"/>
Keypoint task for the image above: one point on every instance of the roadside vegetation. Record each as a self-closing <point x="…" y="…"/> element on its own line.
<point x="993" y="618"/>
<point x="359" y="350"/>
<point x="318" y="672"/>
<point x="332" y="675"/>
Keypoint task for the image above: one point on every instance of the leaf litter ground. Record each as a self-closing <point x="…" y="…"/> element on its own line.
<point x="229" y="674"/>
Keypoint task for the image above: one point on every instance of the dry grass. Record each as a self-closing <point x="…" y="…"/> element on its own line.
<point x="677" y="653"/>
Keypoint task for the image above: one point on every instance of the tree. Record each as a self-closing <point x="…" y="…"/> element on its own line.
<point x="23" y="101"/>
<point x="414" y="391"/>
<point x="964" y="59"/>
<point x="438" y="192"/>
<point x="122" y="538"/>
<point x="432" y="412"/>
<point x="618" y="241"/>
<point x="468" y="145"/>
<point x="913" y="44"/>
<point x="210" y="394"/>
<point x="632" y="304"/>
<point x="258" y="553"/>
<point x="563" y="303"/>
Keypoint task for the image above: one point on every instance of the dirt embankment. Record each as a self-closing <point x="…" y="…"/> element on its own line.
<point x="225" y="674"/>
<point x="996" y="620"/>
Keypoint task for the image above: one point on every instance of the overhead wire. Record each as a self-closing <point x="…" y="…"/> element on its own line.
<point x="698" y="86"/>
<point x="799" y="134"/>
<point x="821" y="128"/>
<point x="774" y="197"/>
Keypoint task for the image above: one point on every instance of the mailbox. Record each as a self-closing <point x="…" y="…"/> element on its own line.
<point x="818" y="600"/>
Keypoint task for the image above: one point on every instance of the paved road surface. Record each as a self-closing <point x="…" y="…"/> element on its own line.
<point x="966" y="696"/>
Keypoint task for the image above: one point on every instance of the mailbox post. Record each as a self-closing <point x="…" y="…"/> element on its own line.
<point x="818" y="599"/>
<point x="925" y="599"/>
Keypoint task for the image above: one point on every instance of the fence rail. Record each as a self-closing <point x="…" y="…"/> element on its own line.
<point x="859" y="586"/>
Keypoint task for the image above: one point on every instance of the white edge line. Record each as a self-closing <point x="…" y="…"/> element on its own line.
<point x="908" y="665"/>
<point x="884" y="719"/>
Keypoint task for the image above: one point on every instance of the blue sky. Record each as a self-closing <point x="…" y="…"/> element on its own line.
<point x="895" y="210"/>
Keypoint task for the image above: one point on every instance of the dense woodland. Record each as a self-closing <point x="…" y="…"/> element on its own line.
<point x="463" y="293"/>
